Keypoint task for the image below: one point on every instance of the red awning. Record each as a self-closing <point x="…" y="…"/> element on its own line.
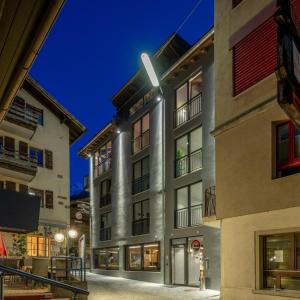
<point x="3" y="251"/>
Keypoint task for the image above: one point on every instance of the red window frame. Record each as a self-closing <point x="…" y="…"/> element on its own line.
<point x="293" y="161"/>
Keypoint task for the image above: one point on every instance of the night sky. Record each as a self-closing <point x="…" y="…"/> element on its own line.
<point x="94" y="48"/>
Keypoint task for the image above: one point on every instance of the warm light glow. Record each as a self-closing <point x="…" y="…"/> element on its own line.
<point x="118" y="131"/>
<point x="158" y="98"/>
<point x="149" y="68"/>
<point x="59" y="237"/>
<point x="72" y="233"/>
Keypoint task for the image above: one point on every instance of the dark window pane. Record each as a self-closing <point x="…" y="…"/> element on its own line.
<point x="297" y="142"/>
<point x="182" y="198"/>
<point x="283" y="143"/>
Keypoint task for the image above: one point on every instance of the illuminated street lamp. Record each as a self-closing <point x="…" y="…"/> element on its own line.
<point x="72" y="233"/>
<point x="60" y="237"/>
<point x="149" y="69"/>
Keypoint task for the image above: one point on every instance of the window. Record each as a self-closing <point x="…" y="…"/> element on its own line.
<point x="23" y="150"/>
<point x="105" y="196"/>
<point x="188" y="100"/>
<point x="48" y="159"/>
<point x="49" y="199"/>
<point x="38" y="193"/>
<point x="107" y="259"/>
<point x="23" y="188"/>
<point x="37" y="155"/>
<point x="141" y="218"/>
<point x="37" y="246"/>
<point x="281" y="261"/>
<point x="11" y="186"/>
<point x="188" y="152"/>
<point x="144" y="257"/>
<point x="105" y="226"/>
<point x="188" y="210"/>
<point x="102" y="159"/>
<point x="141" y="102"/>
<point x="288" y="149"/>
<point x="141" y="134"/>
<point x="255" y="56"/>
<point x="35" y="114"/>
<point x="9" y="146"/>
<point x="140" y="176"/>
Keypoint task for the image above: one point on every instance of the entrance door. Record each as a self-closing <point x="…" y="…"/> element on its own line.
<point x="178" y="264"/>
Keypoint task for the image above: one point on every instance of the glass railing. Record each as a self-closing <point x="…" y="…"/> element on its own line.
<point x="141" y="226"/>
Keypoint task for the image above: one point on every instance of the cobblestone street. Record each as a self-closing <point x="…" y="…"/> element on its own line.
<point x="111" y="288"/>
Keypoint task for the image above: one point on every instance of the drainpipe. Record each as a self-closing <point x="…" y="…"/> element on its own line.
<point x="92" y="209"/>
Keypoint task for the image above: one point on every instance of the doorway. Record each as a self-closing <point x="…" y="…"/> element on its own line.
<point x="178" y="264"/>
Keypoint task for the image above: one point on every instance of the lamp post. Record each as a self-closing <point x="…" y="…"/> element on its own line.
<point x="60" y="237"/>
<point x="155" y="83"/>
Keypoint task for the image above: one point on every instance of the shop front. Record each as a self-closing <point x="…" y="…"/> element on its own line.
<point x="188" y="263"/>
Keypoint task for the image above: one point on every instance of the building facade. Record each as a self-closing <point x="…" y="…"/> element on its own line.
<point x="161" y="159"/>
<point x="257" y="157"/>
<point x="35" y="139"/>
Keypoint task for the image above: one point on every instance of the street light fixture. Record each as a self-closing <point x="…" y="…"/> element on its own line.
<point x="59" y="237"/>
<point x="72" y="233"/>
<point x="149" y="69"/>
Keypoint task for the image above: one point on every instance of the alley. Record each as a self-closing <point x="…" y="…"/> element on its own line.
<point x="111" y="288"/>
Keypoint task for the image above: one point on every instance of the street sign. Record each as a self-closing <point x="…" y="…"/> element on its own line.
<point x="195" y="245"/>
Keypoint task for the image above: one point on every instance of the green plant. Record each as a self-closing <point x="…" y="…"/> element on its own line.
<point x="20" y="245"/>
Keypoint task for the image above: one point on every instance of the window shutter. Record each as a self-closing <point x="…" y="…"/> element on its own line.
<point x="9" y="144"/>
<point x="11" y="186"/>
<point x="23" y="150"/>
<point x="255" y="56"/>
<point x="49" y="199"/>
<point x="48" y="159"/>
<point x="23" y="188"/>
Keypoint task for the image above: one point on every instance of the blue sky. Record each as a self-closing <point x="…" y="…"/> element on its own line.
<point x="94" y="48"/>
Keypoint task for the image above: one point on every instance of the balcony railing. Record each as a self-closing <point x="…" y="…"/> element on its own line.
<point x="210" y="202"/>
<point x="22" y="116"/>
<point x="141" y="142"/>
<point x="141" y="226"/>
<point x="188" y="110"/>
<point x="12" y="157"/>
<point x="105" y="234"/>
<point x="140" y="184"/>
<point x="188" y="163"/>
<point x="105" y="200"/>
<point x="189" y="216"/>
<point x="103" y="167"/>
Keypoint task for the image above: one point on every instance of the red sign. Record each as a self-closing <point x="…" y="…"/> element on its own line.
<point x="195" y="245"/>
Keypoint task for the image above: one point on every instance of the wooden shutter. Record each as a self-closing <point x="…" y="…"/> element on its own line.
<point x="49" y="199"/>
<point x="48" y="159"/>
<point x="9" y="144"/>
<point x="23" y="188"/>
<point x="23" y="150"/>
<point x="10" y="185"/>
<point x="255" y="56"/>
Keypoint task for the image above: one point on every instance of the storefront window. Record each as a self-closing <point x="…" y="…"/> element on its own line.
<point x="143" y="257"/>
<point x="107" y="259"/>
<point x="37" y="246"/>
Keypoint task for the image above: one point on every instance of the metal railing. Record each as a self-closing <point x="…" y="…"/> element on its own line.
<point x="105" y="234"/>
<point x="19" y="114"/>
<point x="140" y="142"/>
<point x="188" y="110"/>
<point x="103" y="167"/>
<point x="141" y="226"/>
<point x="189" y="216"/>
<point x="188" y="163"/>
<point x="210" y="202"/>
<point x="105" y="200"/>
<point x="140" y="184"/>
<point x="16" y="157"/>
<point x="8" y="270"/>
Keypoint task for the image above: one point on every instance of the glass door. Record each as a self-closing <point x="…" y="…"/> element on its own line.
<point x="178" y="264"/>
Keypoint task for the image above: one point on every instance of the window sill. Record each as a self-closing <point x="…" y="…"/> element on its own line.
<point x="278" y="293"/>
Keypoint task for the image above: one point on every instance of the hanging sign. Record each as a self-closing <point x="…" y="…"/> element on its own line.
<point x="195" y="245"/>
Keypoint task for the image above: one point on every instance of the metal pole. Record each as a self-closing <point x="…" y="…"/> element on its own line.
<point x="1" y="286"/>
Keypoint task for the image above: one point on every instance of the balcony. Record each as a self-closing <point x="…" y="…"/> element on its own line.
<point x="105" y="234"/>
<point x="188" y="163"/>
<point x="17" y="165"/>
<point x="20" y="121"/>
<point x="141" y="142"/>
<point x="102" y="168"/>
<point x="105" y="200"/>
<point x="188" y="111"/>
<point x="141" y="226"/>
<point x="189" y="216"/>
<point x="209" y="213"/>
<point x="140" y="184"/>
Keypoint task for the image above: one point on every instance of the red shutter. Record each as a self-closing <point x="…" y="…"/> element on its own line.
<point x="296" y="14"/>
<point x="255" y="56"/>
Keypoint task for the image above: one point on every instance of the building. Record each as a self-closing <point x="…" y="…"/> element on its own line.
<point x="35" y="138"/>
<point x="151" y="167"/>
<point x="257" y="153"/>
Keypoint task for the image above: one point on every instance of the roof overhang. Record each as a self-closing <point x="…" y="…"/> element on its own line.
<point x="24" y="26"/>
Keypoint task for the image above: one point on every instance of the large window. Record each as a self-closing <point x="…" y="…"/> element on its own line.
<point x="141" y="133"/>
<point x="105" y="226"/>
<point x="141" y="218"/>
<point x="188" y="210"/>
<point x="188" y="152"/>
<point x="37" y="246"/>
<point x="37" y="155"/>
<point x="102" y="159"/>
<point x="105" y="195"/>
<point x="144" y="257"/>
<point x="281" y="261"/>
<point x="188" y="100"/>
<point x="107" y="259"/>
<point x="140" y="181"/>
<point x="288" y="149"/>
<point x="39" y="194"/>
